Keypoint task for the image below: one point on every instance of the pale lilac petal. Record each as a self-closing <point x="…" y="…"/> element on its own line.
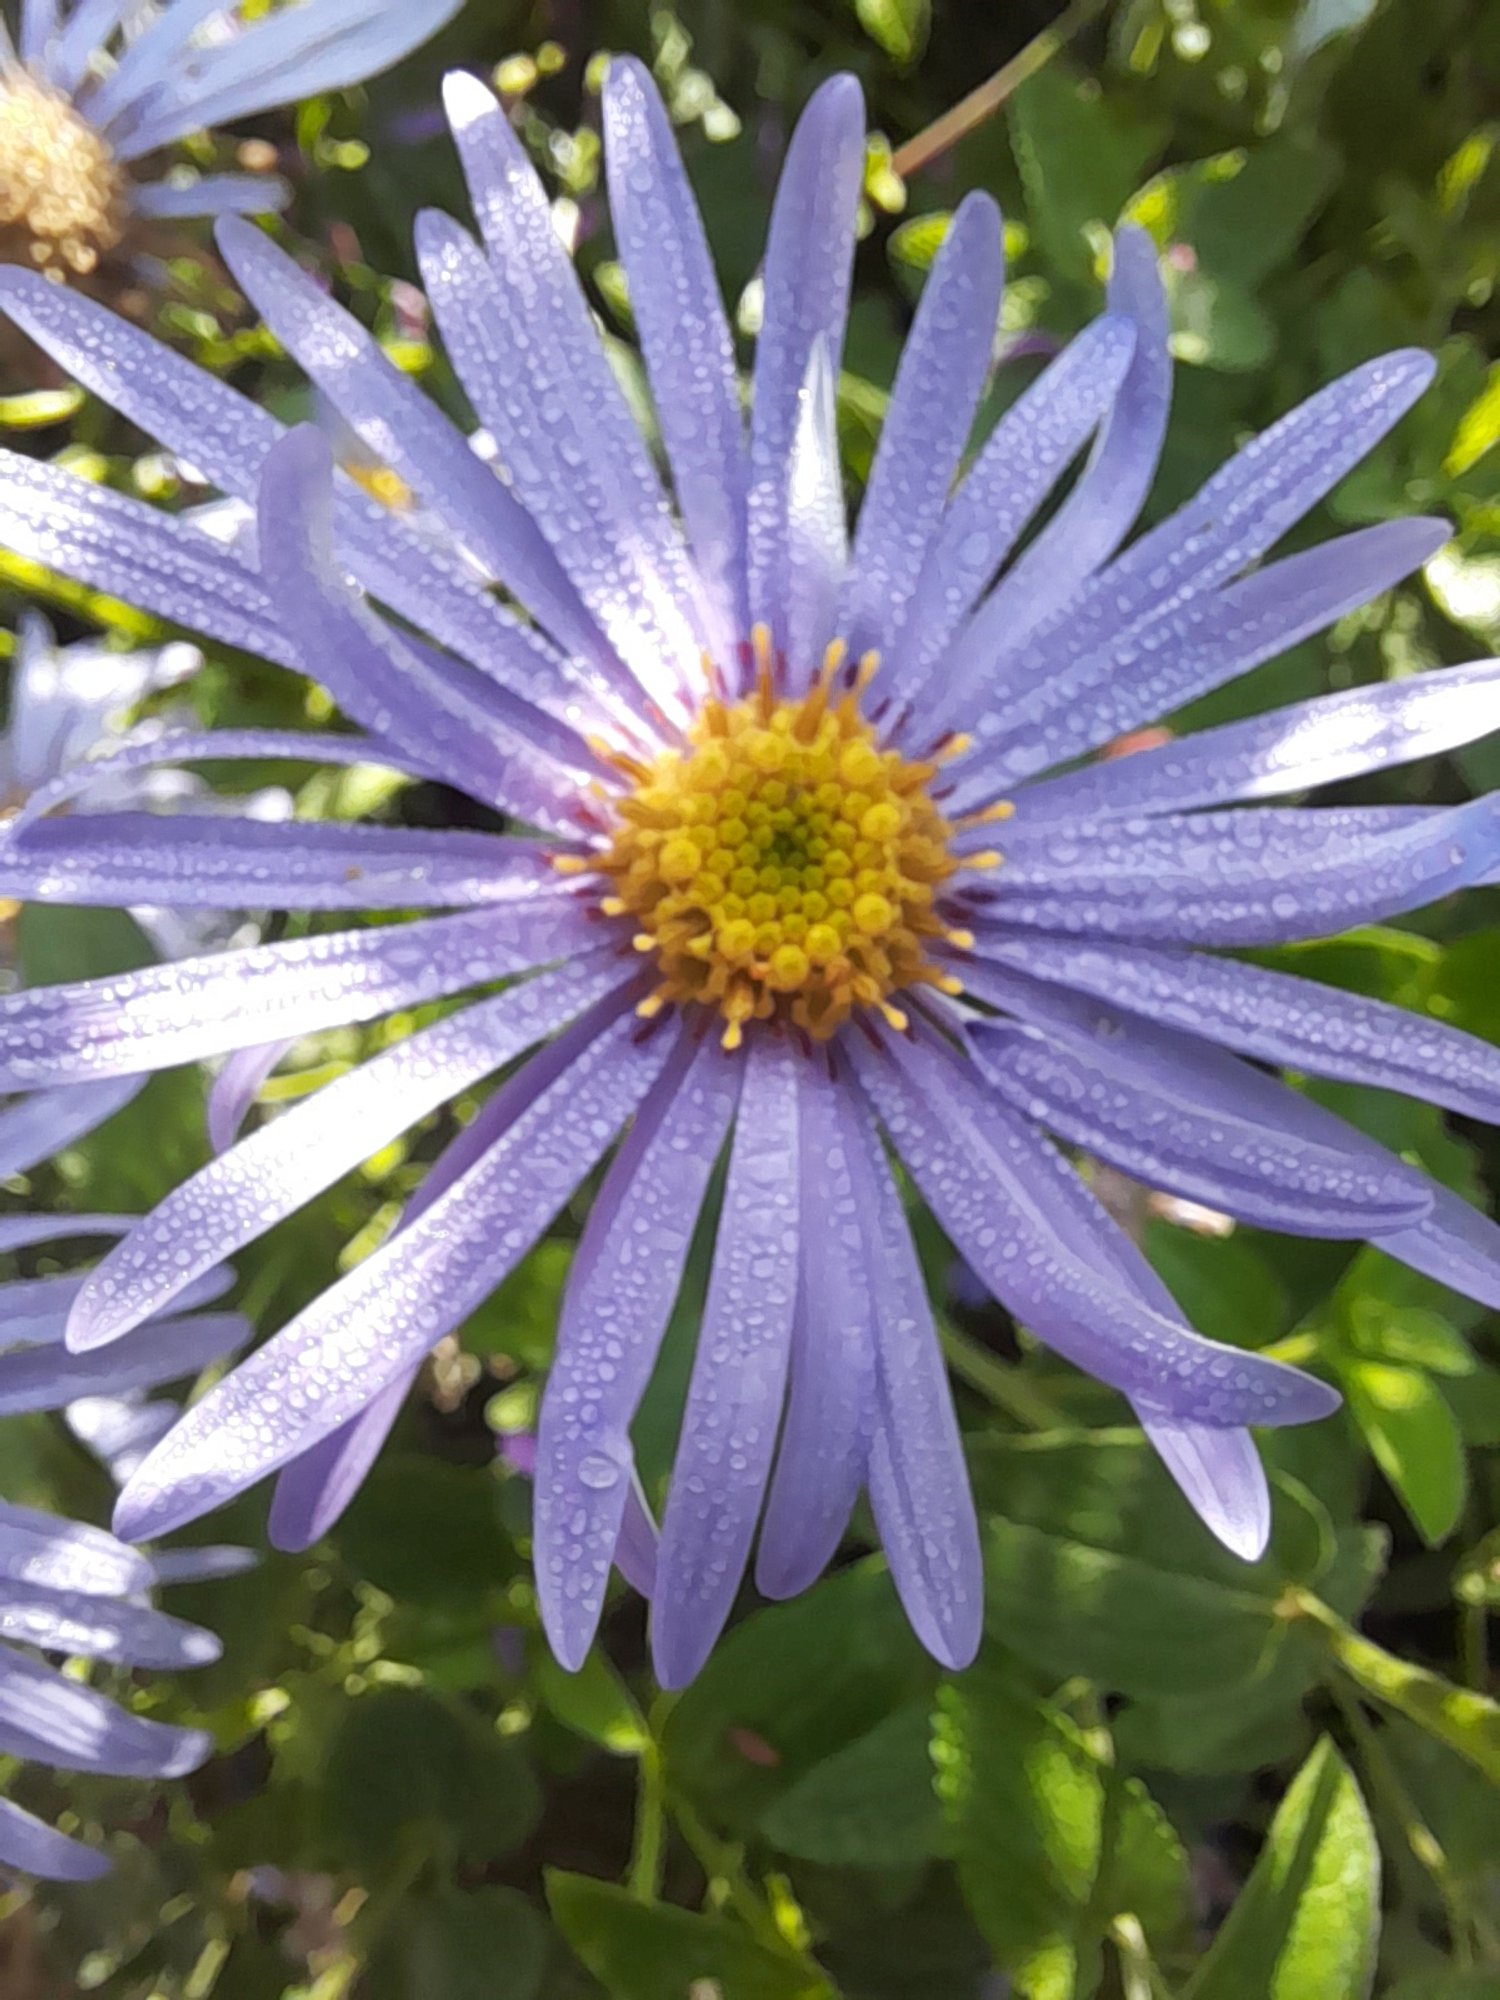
<point x="35" y="1848"/>
<point x="1141" y="673"/>
<point x="20" y="1232"/>
<point x="48" y="1378"/>
<point x="87" y="28"/>
<point x="34" y="1311"/>
<point x="635" y="1551"/>
<point x="185" y="861"/>
<point x="37" y="1127"/>
<point x="685" y="338"/>
<point x="392" y="1308"/>
<point x="55" y="1554"/>
<point x="47" y="1719"/>
<point x="202" y="1562"/>
<point x="232" y="1094"/>
<point x="100" y="1628"/>
<point x="1023" y="458"/>
<point x="551" y="450"/>
<point x="817" y="542"/>
<point x="919" y="1484"/>
<point x="1232" y="878"/>
<point x="1221" y="1474"/>
<point x="980" y="1183"/>
<point x="212" y="194"/>
<point x="1275" y="1017"/>
<point x="145" y="58"/>
<point x="927" y="426"/>
<point x="244" y="1192"/>
<point x="809" y="260"/>
<point x="831" y="1398"/>
<point x="120" y="1430"/>
<point x="624" y="1280"/>
<point x="314" y="1490"/>
<point x="739" y="1374"/>
<point x="39" y="23"/>
<point x="1294" y="749"/>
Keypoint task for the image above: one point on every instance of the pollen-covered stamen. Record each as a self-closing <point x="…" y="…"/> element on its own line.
<point x="63" y="198"/>
<point x="782" y="863"/>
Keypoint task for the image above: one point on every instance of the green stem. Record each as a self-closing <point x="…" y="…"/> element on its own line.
<point x="1005" y="1387"/>
<point x="970" y="112"/>
<point x="650" y="1827"/>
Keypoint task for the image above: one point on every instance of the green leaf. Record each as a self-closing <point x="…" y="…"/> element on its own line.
<point x="1307" y="1921"/>
<point x="426" y="1531"/>
<point x="1080" y="154"/>
<point x="404" y="1764"/>
<point x="654" y="1951"/>
<point x="1025" y="1797"/>
<point x="899" y="26"/>
<point x="1414" y="1438"/>
<point x="594" y="1702"/>
<point x="869" y="1805"/>
<point x="1477" y="1578"/>
<point x="487" y="1945"/>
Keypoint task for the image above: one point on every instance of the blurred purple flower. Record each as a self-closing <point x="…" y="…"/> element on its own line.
<point x="764" y="912"/>
<point x="96" y="85"/>
<point x="66" y="1588"/>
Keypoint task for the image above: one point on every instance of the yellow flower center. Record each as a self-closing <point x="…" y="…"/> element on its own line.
<point x="62" y="192"/>
<point x="783" y="864"/>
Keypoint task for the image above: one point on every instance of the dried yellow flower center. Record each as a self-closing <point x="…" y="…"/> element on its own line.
<point x="62" y="192"/>
<point x="784" y="864"/>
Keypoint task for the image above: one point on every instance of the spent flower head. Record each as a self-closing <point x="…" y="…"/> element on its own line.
<point x="824" y="875"/>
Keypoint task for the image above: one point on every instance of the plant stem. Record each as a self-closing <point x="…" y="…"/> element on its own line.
<point x="650" y="1827"/>
<point x="1006" y="1387"/>
<point x="970" y="112"/>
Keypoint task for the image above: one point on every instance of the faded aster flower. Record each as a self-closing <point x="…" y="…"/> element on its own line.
<point x="774" y="777"/>
<point x="94" y="87"/>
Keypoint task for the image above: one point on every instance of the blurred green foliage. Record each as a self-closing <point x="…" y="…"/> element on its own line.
<point x="1168" y="1774"/>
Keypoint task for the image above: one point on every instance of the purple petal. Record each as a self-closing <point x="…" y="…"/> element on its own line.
<point x="202" y="1562"/>
<point x="166" y="1014"/>
<point x="406" y="430"/>
<point x="1100" y="511"/>
<point x="47" y="1378"/>
<point x="685" y="338"/>
<point x="817" y="542"/>
<point x="620" y="1293"/>
<point x="1222" y="1476"/>
<point x="391" y="1309"/>
<point x="185" y="861"/>
<point x="37" y="1127"/>
<point x="927" y="426"/>
<point x="49" y="1720"/>
<point x="635" y="1551"/>
<point x="212" y="194"/>
<point x="1311" y="743"/>
<point x="1238" y="878"/>
<point x="97" y="1628"/>
<point x="35" y="1848"/>
<point x="1142" y="672"/>
<point x="981" y="1185"/>
<point x="53" y="1554"/>
<point x="34" y="1311"/>
<point x="831" y="1400"/>
<point x="244" y="1192"/>
<point x="809" y="260"/>
<point x="20" y="1232"/>
<point x="314" y="1490"/>
<point x="234" y="1090"/>
<point x="1023" y="458"/>
<point x="739" y="1374"/>
<point x="1276" y="1017"/>
<point x="1454" y="1244"/>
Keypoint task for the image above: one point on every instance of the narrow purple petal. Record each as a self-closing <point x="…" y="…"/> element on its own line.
<point x="981" y="1185"/>
<point x="1238" y="878"/>
<point x="34" y="1311"/>
<point x="685" y="338"/>
<point x="187" y="861"/>
<point x="314" y="1490"/>
<point x="201" y="1562"/>
<point x="384" y="1315"/>
<point x="49" y="1720"/>
<point x="635" y="1551"/>
<point x="212" y="194"/>
<point x="1221" y="1474"/>
<point x="809" y="261"/>
<point x="35" y="1848"/>
<point x="624" y="1280"/>
<point x="139" y="1021"/>
<point x="1294" y="749"/>
<point x="40" y="1549"/>
<point x="1275" y="1017"/>
<point x="98" y="1628"/>
<point x="831" y="1400"/>
<point x="234" y="1090"/>
<point x="37" y="1127"/>
<point x="20" y="1232"/>
<point x="1454" y="1244"/>
<point x="817" y="541"/>
<point x="739" y="1374"/>
<point x="927" y="426"/>
<point x="1023" y="458"/>
<point x="48" y="1378"/>
<point x="244" y="1192"/>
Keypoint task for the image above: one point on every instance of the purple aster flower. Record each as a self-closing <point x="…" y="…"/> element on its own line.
<point x="95" y="86"/>
<point x="70" y="1589"/>
<point x="774" y="776"/>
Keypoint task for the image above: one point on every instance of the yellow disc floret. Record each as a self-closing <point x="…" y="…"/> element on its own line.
<point x="62" y="192"/>
<point x="782" y="863"/>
